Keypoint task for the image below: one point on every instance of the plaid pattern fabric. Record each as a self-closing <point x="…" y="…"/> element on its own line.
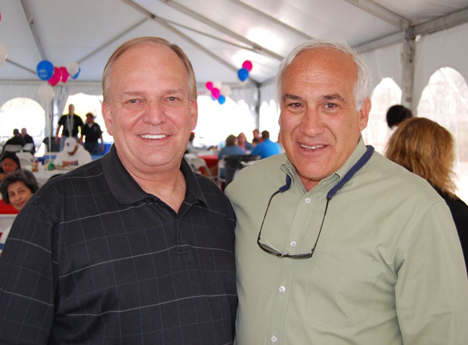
<point x="93" y="259"/>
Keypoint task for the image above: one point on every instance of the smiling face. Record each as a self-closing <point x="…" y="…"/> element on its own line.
<point x="19" y="194"/>
<point x="320" y="126"/>
<point x="148" y="111"/>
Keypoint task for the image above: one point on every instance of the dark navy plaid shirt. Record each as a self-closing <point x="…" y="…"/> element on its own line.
<point x="93" y="259"/>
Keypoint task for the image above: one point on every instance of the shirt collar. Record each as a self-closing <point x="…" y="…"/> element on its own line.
<point x="127" y="191"/>
<point x="357" y="153"/>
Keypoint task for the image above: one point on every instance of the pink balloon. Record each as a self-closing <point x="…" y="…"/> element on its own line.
<point x="215" y="92"/>
<point x="54" y="80"/>
<point x="65" y="74"/>
<point x="247" y="65"/>
<point x="209" y="85"/>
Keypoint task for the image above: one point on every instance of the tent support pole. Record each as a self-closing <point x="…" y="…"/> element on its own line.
<point x="408" y="69"/>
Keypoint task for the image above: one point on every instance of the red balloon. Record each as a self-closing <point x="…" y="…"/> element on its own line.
<point x="247" y="65"/>
<point x="65" y="74"/>
<point x="215" y="92"/>
<point x="209" y="85"/>
<point x="56" y="77"/>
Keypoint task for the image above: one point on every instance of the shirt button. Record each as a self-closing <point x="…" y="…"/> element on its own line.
<point x="307" y="200"/>
<point x="282" y="289"/>
<point x="274" y="339"/>
<point x="293" y="244"/>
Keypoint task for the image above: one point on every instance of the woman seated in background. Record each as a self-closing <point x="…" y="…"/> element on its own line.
<point x="231" y="148"/>
<point x="10" y="163"/>
<point x="17" y="188"/>
<point x="243" y="143"/>
<point x="427" y="149"/>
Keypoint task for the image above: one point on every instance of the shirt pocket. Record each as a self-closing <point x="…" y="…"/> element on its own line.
<point x="340" y="289"/>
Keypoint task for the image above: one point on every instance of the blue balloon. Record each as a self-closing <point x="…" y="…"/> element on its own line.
<point x="77" y="74"/>
<point x="45" y="70"/>
<point x="243" y="74"/>
<point x="221" y="99"/>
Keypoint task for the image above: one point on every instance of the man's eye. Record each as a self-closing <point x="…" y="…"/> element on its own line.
<point x="133" y="103"/>
<point x="173" y="99"/>
<point x="294" y="105"/>
<point x="330" y="105"/>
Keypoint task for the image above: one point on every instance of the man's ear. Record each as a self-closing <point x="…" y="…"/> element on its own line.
<point x="364" y="113"/>
<point x="194" y="113"/>
<point x="107" y="115"/>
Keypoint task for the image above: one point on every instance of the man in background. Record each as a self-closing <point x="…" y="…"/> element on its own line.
<point x="256" y="135"/>
<point x="133" y="248"/>
<point x="16" y="139"/>
<point x="266" y="148"/>
<point x="72" y="125"/>
<point x="335" y="244"/>
<point x="73" y="155"/>
<point x="92" y="132"/>
<point x="28" y="139"/>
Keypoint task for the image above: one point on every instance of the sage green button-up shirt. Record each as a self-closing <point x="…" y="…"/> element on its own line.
<point x="388" y="268"/>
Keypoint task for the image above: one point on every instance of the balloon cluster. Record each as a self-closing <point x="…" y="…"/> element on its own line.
<point x="218" y="91"/>
<point x="243" y="73"/>
<point x="53" y="75"/>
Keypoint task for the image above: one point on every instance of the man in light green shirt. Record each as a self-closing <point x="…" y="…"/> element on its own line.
<point x="334" y="243"/>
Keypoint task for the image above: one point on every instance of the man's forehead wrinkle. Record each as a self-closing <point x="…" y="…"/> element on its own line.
<point x="333" y="97"/>
<point x="290" y="96"/>
<point x="328" y="97"/>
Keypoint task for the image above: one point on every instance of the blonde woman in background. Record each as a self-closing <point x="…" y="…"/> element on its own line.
<point x="427" y="149"/>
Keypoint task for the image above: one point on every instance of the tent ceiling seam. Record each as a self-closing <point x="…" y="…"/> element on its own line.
<point x="381" y="12"/>
<point x="220" y="28"/>
<point x="112" y="40"/>
<point x="34" y="33"/>
<point x="271" y="19"/>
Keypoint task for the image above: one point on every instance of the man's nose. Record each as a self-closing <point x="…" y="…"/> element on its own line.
<point x="154" y="112"/>
<point x="312" y="122"/>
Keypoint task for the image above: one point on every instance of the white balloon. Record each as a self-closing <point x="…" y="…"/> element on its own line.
<point x="46" y="93"/>
<point x="217" y="84"/>
<point x="73" y="68"/>
<point x="226" y="90"/>
<point x="3" y="53"/>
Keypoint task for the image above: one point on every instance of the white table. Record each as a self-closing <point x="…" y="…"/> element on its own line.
<point x="43" y="176"/>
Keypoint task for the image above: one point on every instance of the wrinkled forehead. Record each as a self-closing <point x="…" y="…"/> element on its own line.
<point x="324" y="69"/>
<point x="144" y="61"/>
<point x="325" y="60"/>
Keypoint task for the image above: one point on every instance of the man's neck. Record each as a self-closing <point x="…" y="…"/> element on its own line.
<point x="167" y="183"/>
<point x="170" y="188"/>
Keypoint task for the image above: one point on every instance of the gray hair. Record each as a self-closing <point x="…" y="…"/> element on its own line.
<point x="192" y="84"/>
<point x="361" y="89"/>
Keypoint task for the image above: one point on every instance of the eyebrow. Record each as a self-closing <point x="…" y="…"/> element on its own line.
<point x="140" y="93"/>
<point x="131" y="93"/>
<point x="291" y="97"/>
<point x="333" y="97"/>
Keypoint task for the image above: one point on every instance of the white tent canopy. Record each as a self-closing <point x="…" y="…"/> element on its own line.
<point x="401" y="39"/>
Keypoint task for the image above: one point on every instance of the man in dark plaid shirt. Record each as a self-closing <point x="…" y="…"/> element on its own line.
<point x="133" y="248"/>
